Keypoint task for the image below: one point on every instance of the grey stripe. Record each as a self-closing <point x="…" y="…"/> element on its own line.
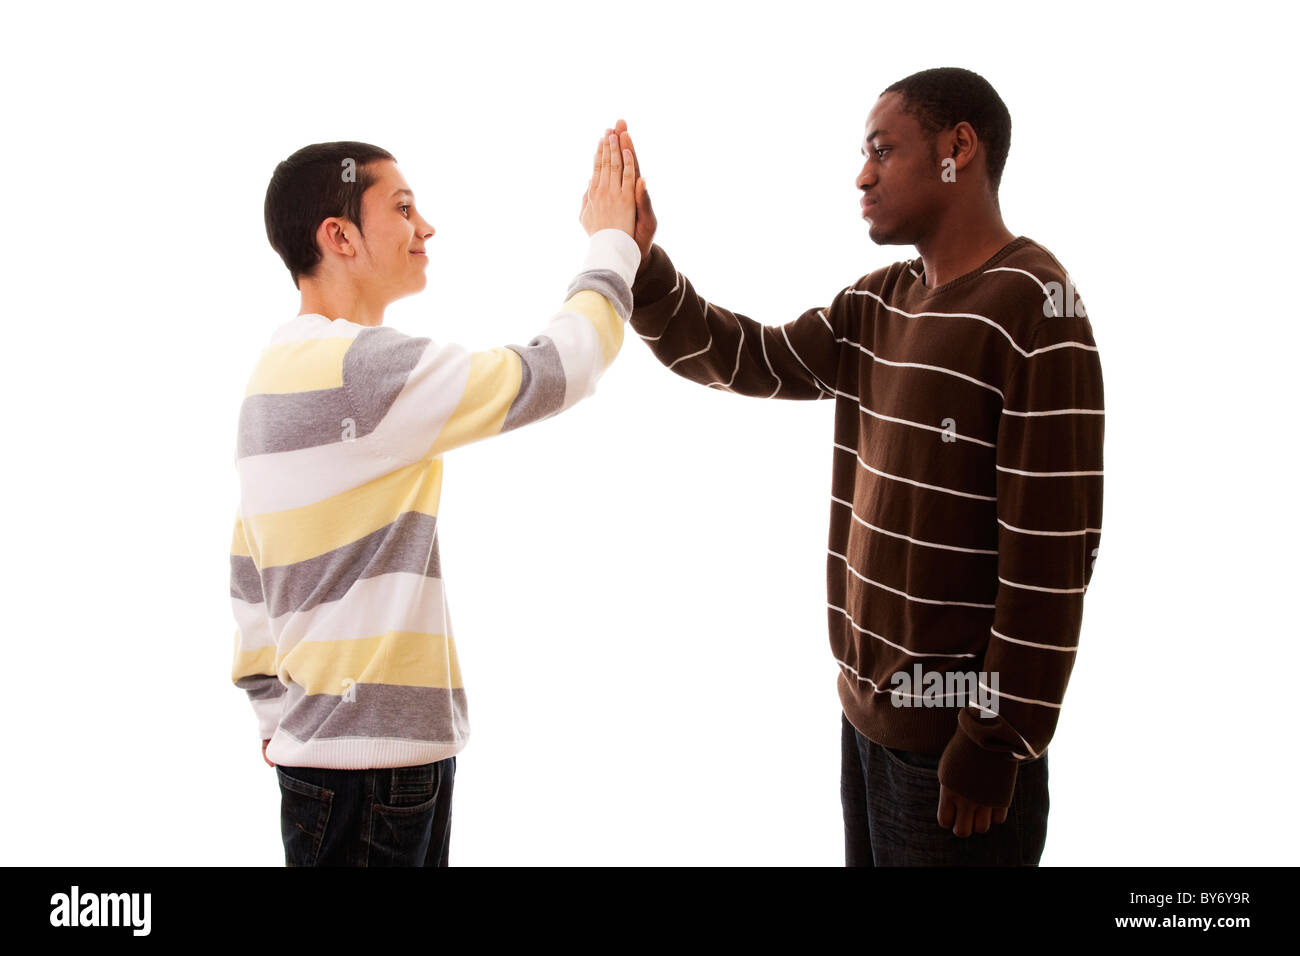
<point x="261" y="687"/>
<point x="380" y="710"/>
<point x="375" y="368"/>
<point x="244" y="582"/>
<point x="407" y="544"/>
<point x="609" y="284"/>
<point x="270" y="423"/>
<point x="541" y="390"/>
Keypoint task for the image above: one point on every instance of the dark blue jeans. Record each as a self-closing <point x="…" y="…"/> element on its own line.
<point x="399" y="816"/>
<point x="891" y="805"/>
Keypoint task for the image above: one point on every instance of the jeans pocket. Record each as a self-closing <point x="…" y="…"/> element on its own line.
<point x="304" y="814"/>
<point x="400" y="835"/>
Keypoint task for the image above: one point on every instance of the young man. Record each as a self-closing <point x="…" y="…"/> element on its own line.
<point x="966" y="501"/>
<point x="344" y="644"/>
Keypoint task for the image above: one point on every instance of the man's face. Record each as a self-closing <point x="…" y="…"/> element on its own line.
<point x="902" y="188"/>
<point x="391" y="258"/>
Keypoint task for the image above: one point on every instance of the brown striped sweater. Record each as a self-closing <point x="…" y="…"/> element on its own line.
<point x="965" y="508"/>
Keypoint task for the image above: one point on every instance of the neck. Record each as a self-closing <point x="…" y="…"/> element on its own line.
<point x="335" y="302"/>
<point x="963" y="240"/>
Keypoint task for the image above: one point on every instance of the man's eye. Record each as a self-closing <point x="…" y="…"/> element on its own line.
<point x="881" y="151"/>
<point x="406" y="210"/>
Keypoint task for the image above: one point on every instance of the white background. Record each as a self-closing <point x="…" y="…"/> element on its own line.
<point x="638" y="585"/>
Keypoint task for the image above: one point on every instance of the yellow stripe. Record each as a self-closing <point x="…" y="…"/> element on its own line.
<point x="296" y="534"/>
<point x="304" y="366"/>
<point x="597" y="310"/>
<point x="250" y="663"/>
<point x="408" y="658"/>
<point x="492" y="386"/>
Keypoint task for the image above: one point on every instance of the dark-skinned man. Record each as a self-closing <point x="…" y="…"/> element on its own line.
<point x="965" y="511"/>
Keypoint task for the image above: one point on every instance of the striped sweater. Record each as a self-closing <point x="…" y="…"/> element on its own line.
<point x="965" y="507"/>
<point x="343" y="641"/>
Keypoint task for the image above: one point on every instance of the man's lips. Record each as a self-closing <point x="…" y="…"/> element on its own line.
<point x="867" y="203"/>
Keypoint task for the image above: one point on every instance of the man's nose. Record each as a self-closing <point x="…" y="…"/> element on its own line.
<point x="867" y="177"/>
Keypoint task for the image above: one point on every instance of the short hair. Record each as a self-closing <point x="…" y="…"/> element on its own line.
<point x="943" y="97"/>
<point x="316" y="183"/>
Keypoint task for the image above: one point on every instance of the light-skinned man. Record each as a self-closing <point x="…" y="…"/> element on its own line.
<point x="344" y="643"/>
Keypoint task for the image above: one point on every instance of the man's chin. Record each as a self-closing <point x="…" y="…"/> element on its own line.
<point x="883" y="237"/>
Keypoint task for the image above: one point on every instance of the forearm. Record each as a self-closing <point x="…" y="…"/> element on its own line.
<point x="719" y="348"/>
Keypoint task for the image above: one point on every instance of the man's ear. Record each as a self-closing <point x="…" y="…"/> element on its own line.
<point x="334" y="235"/>
<point x="964" y="144"/>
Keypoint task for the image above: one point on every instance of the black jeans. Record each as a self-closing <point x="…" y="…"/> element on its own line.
<point x="891" y="805"/>
<point x="399" y="816"/>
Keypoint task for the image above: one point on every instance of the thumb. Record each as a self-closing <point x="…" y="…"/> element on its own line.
<point x="642" y="196"/>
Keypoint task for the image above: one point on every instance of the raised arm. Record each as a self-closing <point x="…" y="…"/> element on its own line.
<point x="424" y="398"/>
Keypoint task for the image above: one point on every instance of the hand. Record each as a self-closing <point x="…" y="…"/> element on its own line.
<point x="646" y="223"/>
<point x="961" y="815"/>
<point x="609" y="202"/>
<point x="264" y="756"/>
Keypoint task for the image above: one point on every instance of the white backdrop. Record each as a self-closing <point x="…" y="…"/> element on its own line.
<point x="648" y="673"/>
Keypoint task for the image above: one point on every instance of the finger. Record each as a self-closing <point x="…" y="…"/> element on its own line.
<point x="615" y="159"/>
<point x="625" y="141"/>
<point x="961" y="827"/>
<point x="603" y="179"/>
<point x="983" y="817"/>
<point x="595" y="163"/>
<point x="643" y="199"/>
<point x="1000" y="814"/>
<point x="947" y="808"/>
<point x="629" y="172"/>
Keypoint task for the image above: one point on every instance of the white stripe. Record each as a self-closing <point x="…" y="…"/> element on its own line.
<point x="397" y="601"/>
<point x="891" y="691"/>
<point x="1046" y="647"/>
<point x="856" y="626"/>
<point x="680" y="300"/>
<point x="1055" y="314"/>
<point x="253" y="624"/>
<point x="1049" y="474"/>
<point x="1034" y="587"/>
<point x="895" y="534"/>
<point x="932" y="368"/>
<point x="1023" y="700"/>
<point x="762" y="343"/>
<point x="820" y="383"/>
<point x="1056" y="411"/>
<point x="980" y="318"/>
<point x="683" y="358"/>
<point x="904" y="421"/>
<point x="919" y="484"/>
<point x="1049" y="534"/>
<point x="884" y="587"/>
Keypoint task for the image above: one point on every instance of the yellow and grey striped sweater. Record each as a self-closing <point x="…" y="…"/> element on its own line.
<point x="343" y="641"/>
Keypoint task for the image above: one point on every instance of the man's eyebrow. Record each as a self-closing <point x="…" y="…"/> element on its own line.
<point x="400" y="192"/>
<point x="873" y="135"/>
